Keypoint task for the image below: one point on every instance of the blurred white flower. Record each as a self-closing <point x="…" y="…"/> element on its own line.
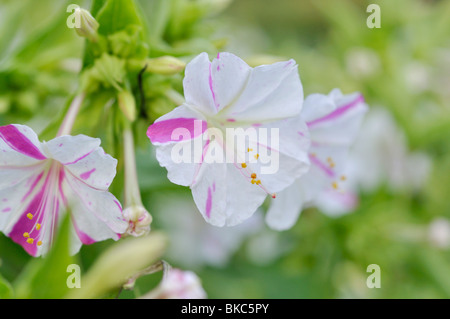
<point x="195" y="243"/>
<point x="417" y="77"/>
<point x="439" y="232"/>
<point x="381" y="154"/>
<point x="362" y="62"/>
<point x="178" y="284"/>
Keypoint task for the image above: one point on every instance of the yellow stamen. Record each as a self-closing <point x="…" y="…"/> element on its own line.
<point x="329" y="160"/>
<point x="244" y="165"/>
<point x="253" y="175"/>
<point x="26" y="235"/>
<point x="39" y="243"/>
<point x="30" y="240"/>
<point x="332" y="165"/>
<point x="335" y="185"/>
<point x="253" y="181"/>
<point x="257" y="156"/>
<point x="38" y="226"/>
<point x="343" y="178"/>
<point x="258" y="182"/>
<point x="249" y="149"/>
<point x="30" y="216"/>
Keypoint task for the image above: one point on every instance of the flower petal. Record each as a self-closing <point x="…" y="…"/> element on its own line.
<point x="19" y="146"/>
<point x="272" y="92"/>
<point x="96" y="214"/>
<point x="198" y="92"/>
<point x="286" y="208"/>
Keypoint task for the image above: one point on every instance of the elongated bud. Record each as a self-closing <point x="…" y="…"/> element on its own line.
<point x="139" y="220"/>
<point x="127" y="104"/>
<point x="86" y="26"/>
<point x="165" y="65"/>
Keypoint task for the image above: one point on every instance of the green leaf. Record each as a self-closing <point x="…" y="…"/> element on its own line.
<point x="46" y="277"/>
<point x="6" y="291"/>
<point x="116" y="15"/>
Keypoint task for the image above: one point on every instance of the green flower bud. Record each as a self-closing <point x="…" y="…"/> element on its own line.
<point x="85" y="24"/>
<point x="165" y="65"/>
<point x="127" y="104"/>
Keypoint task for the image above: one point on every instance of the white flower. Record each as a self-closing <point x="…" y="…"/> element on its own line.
<point x="229" y="182"/>
<point x="333" y="123"/>
<point x="41" y="181"/>
<point x="178" y="284"/>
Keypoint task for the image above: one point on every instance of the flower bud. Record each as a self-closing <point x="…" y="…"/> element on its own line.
<point x="139" y="220"/>
<point x="178" y="284"/>
<point x="86" y="26"/>
<point x="127" y="104"/>
<point x="165" y="65"/>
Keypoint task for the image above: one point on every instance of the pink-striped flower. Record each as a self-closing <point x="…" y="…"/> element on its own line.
<point x="223" y="95"/>
<point x="41" y="181"/>
<point x="333" y="121"/>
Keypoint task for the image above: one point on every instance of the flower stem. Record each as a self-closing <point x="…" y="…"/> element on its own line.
<point x="71" y="115"/>
<point x="132" y="192"/>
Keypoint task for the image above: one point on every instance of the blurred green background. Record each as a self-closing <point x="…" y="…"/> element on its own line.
<point x="402" y="67"/>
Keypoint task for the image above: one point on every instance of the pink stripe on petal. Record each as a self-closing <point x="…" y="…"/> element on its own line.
<point x="87" y="174"/>
<point x="37" y="208"/>
<point x="19" y="142"/>
<point x="161" y="132"/>
<point x="79" y="159"/>
<point x="338" y="112"/>
<point x="322" y="166"/>
<point x="209" y="203"/>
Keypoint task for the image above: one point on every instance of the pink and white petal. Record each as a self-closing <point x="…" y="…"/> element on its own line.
<point x="198" y="92"/>
<point x="181" y="124"/>
<point x="228" y="77"/>
<point x="316" y="106"/>
<point x="96" y="214"/>
<point x="210" y="193"/>
<point x="19" y="146"/>
<point x="286" y="208"/>
<point x="97" y="169"/>
<point x="16" y="191"/>
<point x="289" y="158"/>
<point x="345" y="118"/>
<point x="42" y="201"/>
<point x="181" y="159"/>
<point x="272" y="92"/>
<point x="71" y="149"/>
<point x="335" y="203"/>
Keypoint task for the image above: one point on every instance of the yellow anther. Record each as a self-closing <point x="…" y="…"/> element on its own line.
<point x="258" y="182"/>
<point x="335" y="185"/>
<point x="332" y="165"/>
<point x="26" y="235"/>
<point x="38" y="226"/>
<point x="343" y="178"/>
<point x="257" y="156"/>
<point x="244" y="165"/>
<point x="253" y="181"/>
<point x="30" y="240"/>
<point x="249" y="149"/>
<point x="39" y="243"/>
<point x="329" y="160"/>
<point x="253" y="175"/>
<point x="30" y="216"/>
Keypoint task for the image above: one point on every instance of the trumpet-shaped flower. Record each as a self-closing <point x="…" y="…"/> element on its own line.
<point x="237" y="137"/>
<point x="333" y="121"/>
<point x="41" y="181"/>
